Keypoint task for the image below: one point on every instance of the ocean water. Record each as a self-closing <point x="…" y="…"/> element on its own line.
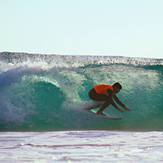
<point x="46" y="95"/>
<point x="81" y="146"/>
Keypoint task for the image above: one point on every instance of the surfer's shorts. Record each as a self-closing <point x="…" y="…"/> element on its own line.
<point x="97" y="97"/>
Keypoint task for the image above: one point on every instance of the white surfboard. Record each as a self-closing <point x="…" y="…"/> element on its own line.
<point x="104" y="115"/>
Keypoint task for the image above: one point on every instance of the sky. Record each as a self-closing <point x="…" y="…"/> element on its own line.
<point x="131" y="28"/>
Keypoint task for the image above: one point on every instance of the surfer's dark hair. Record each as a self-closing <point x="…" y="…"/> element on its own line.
<point x="117" y="85"/>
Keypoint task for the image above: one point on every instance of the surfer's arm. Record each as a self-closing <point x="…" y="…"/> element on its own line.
<point x="113" y="103"/>
<point x="119" y="102"/>
<point x="110" y="95"/>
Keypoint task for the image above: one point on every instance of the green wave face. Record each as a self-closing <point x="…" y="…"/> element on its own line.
<point x="54" y="99"/>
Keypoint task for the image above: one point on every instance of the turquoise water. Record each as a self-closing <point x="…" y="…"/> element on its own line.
<point x="39" y="97"/>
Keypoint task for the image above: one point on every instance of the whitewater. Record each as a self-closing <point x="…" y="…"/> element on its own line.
<point x="42" y="116"/>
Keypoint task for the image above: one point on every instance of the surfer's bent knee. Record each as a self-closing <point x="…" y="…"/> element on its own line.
<point x="109" y="101"/>
<point x="92" y="94"/>
<point x="97" y="97"/>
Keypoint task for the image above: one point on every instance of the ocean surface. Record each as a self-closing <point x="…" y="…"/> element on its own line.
<point x="81" y="146"/>
<point x="42" y="101"/>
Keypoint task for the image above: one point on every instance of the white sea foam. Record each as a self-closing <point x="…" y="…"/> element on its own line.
<point x="82" y="146"/>
<point x="72" y="61"/>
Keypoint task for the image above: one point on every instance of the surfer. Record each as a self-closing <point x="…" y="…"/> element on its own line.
<point x="105" y="95"/>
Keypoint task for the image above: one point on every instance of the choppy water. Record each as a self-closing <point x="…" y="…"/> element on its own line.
<point x="81" y="146"/>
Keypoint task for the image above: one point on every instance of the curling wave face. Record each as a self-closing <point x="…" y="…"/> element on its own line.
<point x="39" y="95"/>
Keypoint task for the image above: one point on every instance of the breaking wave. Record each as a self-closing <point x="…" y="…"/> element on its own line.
<point x="40" y="92"/>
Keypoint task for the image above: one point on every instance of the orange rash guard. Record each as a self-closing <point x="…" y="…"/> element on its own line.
<point x="102" y="88"/>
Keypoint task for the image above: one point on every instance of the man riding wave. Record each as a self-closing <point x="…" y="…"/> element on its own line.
<point x="105" y="95"/>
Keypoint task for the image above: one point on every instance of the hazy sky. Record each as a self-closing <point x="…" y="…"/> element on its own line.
<point x="83" y="27"/>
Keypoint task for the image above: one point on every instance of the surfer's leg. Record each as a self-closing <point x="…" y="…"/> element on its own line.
<point x="103" y="107"/>
<point x="99" y="99"/>
<point x="95" y="97"/>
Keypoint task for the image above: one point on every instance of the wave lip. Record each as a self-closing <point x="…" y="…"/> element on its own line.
<point x="74" y="61"/>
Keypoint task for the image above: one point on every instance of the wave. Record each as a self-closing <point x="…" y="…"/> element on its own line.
<point x="38" y="97"/>
<point x="72" y="61"/>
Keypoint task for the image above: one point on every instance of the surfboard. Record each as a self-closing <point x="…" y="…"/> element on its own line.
<point x="104" y="115"/>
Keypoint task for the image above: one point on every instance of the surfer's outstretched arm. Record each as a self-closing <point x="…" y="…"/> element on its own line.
<point x="119" y="102"/>
<point x="113" y="103"/>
